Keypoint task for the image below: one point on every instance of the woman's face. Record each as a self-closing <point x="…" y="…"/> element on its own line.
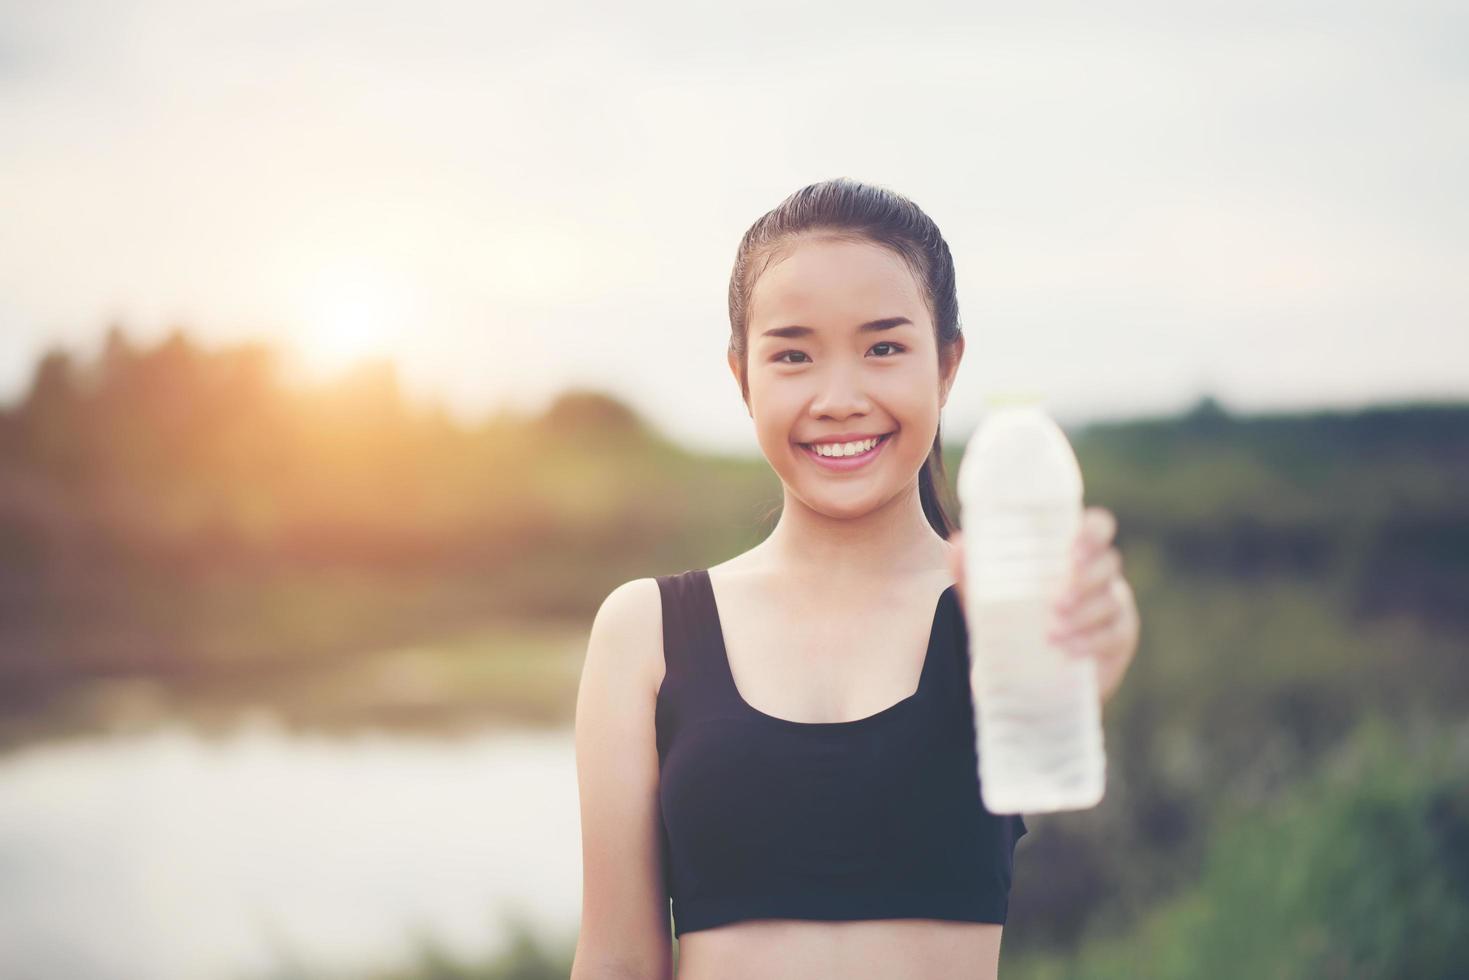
<point x="816" y="374"/>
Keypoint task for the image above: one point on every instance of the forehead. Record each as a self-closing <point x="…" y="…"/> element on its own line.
<point x="824" y="282"/>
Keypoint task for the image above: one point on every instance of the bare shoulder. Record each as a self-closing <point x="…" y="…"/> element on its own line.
<point x="629" y="626"/>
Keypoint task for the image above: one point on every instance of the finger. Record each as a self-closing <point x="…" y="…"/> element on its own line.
<point x="1115" y="638"/>
<point x="1100" y="642"/>
<point x="1093" y="575"/>
<point x="1131" y="625"/>
<point x="1098" y="610"/>
<point x="1098" y="527"/>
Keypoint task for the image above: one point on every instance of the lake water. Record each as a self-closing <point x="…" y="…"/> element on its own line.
<point x="175" y="856"/>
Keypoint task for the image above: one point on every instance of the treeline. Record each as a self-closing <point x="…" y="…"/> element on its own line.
<point x="206" y="457"/>
<point x="206" y="454"/>
<point x="1372" y="503"/>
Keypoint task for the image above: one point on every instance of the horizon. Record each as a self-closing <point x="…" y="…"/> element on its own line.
<point x="296" y="381"/>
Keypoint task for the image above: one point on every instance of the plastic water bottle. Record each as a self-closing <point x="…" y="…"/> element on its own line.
<point x="1037" y="709"/>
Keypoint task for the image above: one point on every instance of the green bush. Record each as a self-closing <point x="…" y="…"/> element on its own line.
<point x="1360" y="872"/>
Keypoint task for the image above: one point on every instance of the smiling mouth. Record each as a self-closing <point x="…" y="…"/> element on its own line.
<point x="880" y="440"/>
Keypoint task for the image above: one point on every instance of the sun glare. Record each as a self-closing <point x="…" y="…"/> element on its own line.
<point x="350" y="316"/>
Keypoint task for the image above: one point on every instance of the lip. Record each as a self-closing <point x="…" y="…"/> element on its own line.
<point x="845" y="437"/>
<point x="844" y="463"/>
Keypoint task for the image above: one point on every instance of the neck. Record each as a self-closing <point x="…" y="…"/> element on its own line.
<point x="892" y="539"/>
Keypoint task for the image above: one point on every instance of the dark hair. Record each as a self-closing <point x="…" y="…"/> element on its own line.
<point x="848" y="209"/>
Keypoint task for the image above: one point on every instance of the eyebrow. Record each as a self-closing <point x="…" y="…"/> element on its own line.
<point x="796" y="330"/>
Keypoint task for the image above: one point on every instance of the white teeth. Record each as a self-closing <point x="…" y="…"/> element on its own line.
<point x="844" y="448"/>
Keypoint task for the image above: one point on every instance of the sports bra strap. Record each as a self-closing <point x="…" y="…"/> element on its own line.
<point x="685" y="626"/>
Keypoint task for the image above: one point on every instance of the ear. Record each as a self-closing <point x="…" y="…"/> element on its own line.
<point x="734" y="369"/>
<point x="950" y="371"/>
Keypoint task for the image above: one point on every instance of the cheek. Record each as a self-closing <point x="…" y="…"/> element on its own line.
<point x="775" y="419"/>
<point x="919" y="417"/>
<point x="912" y="401"/>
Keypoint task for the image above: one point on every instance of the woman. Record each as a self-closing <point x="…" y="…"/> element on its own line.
<point x="744" y="747"/>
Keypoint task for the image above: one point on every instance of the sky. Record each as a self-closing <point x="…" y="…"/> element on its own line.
<point x="1145" y="203"/>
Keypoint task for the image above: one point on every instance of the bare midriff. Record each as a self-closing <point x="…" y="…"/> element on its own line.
<point x="863" y="949"/>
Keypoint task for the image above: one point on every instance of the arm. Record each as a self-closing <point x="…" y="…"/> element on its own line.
<point x="625" y="930"/>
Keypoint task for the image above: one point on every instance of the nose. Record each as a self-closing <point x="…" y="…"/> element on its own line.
<point x="841" y="395"/>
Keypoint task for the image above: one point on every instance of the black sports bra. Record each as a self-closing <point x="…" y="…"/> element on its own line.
<point x="876" y="818"/>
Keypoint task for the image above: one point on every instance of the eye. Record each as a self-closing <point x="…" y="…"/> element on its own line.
<point x="780" y="358"/>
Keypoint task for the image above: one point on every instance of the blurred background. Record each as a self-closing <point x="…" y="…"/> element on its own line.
<point x="350" y="354"/>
